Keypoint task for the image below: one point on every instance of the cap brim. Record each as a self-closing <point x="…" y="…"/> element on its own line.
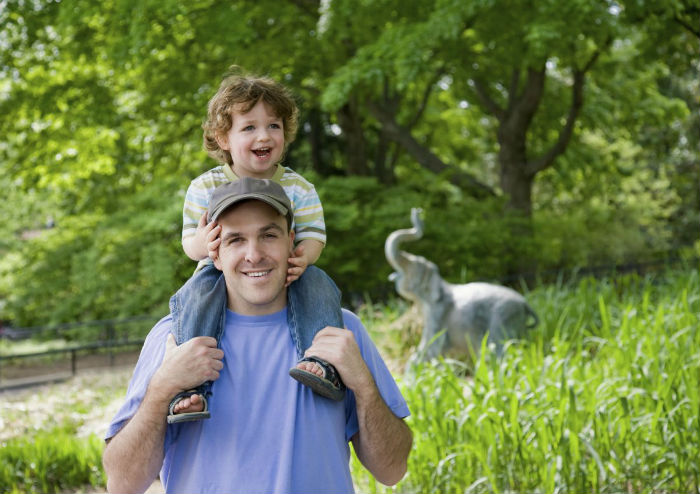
<point x="224" y="205"/>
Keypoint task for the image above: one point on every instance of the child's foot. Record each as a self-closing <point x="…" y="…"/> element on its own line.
<point x="190" y="404"/>
<point x="312" y="367"/>
<point x="320" y="376"/>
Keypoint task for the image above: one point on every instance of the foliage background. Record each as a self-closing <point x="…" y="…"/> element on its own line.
<point x="535" y="138"/>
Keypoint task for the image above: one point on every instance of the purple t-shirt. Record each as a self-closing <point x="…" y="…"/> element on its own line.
<point x="267" y="432"/>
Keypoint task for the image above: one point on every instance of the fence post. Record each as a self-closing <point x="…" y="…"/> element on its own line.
<point x="73" y="365"/>
<point x="110" y="342"/>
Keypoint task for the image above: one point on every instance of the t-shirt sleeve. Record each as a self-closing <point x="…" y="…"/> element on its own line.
<point x="386" y="384"/>
<point x="308" y="216"/>
<point x="149" y="360"/>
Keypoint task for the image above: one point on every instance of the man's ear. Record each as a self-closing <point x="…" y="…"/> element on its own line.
<point x="291" y="241"/>
<point x="217" y="262"/>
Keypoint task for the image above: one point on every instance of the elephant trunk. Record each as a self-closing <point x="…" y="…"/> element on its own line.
<point x="391" y="247"/>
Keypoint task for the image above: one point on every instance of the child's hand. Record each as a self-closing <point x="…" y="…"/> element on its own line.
<point x="213" y="240"/>
<point x="297" y="264"/>
<point x="205" y="235"/>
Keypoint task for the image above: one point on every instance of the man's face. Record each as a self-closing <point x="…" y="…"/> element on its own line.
<point x="255" y="141"/>
<point x="255" y="246"/>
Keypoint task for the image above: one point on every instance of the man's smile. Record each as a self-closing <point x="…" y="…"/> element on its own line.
<point x="257" y="274"/>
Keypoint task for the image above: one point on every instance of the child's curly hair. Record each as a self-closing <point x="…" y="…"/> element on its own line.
<point x="246" y="90"/>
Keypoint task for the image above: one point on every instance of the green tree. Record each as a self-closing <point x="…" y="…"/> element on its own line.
<point x="574" y="116"/>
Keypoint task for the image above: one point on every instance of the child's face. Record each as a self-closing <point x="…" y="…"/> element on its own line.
<point x="255" y="141"/>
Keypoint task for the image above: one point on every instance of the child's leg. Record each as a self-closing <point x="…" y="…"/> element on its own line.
<point x="314" y="303"/>
<point x="197" y="309"/>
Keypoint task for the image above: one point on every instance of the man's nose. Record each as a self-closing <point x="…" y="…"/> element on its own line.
<point x="254" y="252"/>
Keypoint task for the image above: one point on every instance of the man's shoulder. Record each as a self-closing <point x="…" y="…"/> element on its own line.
<point x="354" y="324"/>
<point x="350" y="318"/>
<point x="159" y="331"/>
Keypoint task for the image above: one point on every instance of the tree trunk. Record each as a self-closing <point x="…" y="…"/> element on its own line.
<point x="382" y="166"/>
<point x="516" y="184"/>
<point x="316" y="143"/>
<point x="355" y="145"/>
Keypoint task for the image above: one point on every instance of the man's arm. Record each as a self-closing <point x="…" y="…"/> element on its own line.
<point x="383" y="441"/>
<point x="133" y="457"/>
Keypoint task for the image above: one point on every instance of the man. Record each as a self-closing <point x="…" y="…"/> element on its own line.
<point x="269" y="433"/>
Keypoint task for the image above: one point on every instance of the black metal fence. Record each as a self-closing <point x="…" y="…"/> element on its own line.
<point x="106" y="340"/>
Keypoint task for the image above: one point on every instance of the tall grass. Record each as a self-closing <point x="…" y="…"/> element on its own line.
<point x="50" y="462"/>
<point x="603" y="397"/>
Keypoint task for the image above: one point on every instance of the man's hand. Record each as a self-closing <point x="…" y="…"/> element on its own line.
<point x="188" y="365"/>
<point x="297" y="264"/>
<point x="338" y="346"/>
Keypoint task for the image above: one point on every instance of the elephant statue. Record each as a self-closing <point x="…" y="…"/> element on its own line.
<point x="466" y="312"/>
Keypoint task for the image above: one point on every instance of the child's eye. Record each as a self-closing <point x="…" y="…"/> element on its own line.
<point x="248" y="127"/>
<point x="275" y="126"/>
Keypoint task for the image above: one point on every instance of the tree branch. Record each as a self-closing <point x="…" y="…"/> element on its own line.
<point x="426" y="94"/>
<point x="425" y="157"/>
<point x="694" y="30"/>
<point x="513" y="90"/>
<point x="308" y="7"/>
<point x="546" y="160"/>
<point x="487" y="102"/>
<point x="526" y="105"/>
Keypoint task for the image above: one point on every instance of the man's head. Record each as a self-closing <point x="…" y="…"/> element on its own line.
<point x="239" y="94"/>
<point x="256" y="241"/>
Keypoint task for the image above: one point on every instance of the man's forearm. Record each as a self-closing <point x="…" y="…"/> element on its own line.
<point x="384" y="440"/>
<point x="134" y="456"/>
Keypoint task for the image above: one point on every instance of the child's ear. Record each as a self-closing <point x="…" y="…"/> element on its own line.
<point x="222" y="141"/>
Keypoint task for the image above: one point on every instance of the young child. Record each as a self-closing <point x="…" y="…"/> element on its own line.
<point x="250" y="122"/>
